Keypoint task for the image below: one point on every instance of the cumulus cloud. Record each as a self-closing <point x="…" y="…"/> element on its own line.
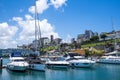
<point x="42" y="5"/>
<point x="8" y="44"/>
<point x="28" y="17"/>
<point x="28" y="28"/>
<point x="58" y="3"/>
<point x="23" y="31"/>
<point x="7" y="33"/>
<point x="17" y="19"/>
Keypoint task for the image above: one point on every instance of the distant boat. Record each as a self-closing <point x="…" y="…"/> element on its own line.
<point x="57" y="64"/>
<point x="109" y="60"/>
<point x="80" y="61"/>
<point x="17" y="63"/>
<point x="111" y="57"/>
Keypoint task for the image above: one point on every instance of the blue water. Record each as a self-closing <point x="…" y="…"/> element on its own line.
<point x="98" y="72"/>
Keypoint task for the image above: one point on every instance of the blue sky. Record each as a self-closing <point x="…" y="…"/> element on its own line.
<point x="61" y="18"/>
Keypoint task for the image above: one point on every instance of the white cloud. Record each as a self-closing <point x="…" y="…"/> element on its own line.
<point x="47" y="29"/>
<point x="28" y="17"/>
<point x="6" y="35"/>
<point x="17" y="19"/>
<point x="42" y="5"/>
<point x="58" y="3"/>
<point x="28" y="29"/>
<point x="6" y="31"/>
<point x="8" y="44"/>
<point x="23" y="32"/>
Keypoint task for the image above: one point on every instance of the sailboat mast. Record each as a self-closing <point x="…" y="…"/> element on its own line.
<point x="37" y="31"/>
<point x="35" y="27"/>
<point x="115" y="44"/>
<point x="40" y="42"/>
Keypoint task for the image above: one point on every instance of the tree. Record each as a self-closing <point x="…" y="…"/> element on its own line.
<point x="94" y="38"/>
<point x="103" y="36"/>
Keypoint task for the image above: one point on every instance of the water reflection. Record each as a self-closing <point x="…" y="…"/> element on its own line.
<point x="56" y="74"/>
<point x="28" y="75"/>
<point x="0" y="71"/>
<point x="37" y="75"/>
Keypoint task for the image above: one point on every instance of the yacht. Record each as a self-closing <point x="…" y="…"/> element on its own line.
<point x="79" y="61"/>
<point x="111" y="58"/>
<point x="17" y="63"/>
<point x="57" y="64"/>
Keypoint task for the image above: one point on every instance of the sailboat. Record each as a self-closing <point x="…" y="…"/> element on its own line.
<point x="111" y="57"/>
<point x="34" y="60"/>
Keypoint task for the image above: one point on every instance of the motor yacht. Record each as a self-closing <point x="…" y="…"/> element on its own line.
<point x="109" y="59"/>
<point x="79" y="61"/>
<point x="17" y="63"/>
<point x="57" y="64"/>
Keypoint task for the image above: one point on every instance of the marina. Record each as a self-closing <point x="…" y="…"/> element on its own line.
<point x="98" y="72"/>
<point x="59" y="40"/>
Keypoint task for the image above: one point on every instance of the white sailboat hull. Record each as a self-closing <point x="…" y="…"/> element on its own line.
<point x="39" y="67"/>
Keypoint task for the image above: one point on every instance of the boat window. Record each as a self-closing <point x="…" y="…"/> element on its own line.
<point x="19" y="60"/>
<point x="85" y="63"/>
<point x="102" y="58"/>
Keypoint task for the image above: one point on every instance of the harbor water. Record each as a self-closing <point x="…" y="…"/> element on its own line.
<point x="98" y="72"/>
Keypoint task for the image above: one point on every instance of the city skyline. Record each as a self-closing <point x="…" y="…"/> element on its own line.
<point x="62" y="18"/>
